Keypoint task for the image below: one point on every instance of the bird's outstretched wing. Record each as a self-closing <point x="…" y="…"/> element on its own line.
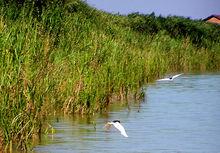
<point x="120" y="128"/>
<point x="175" y="76"/>
<point x="165" y="79"/>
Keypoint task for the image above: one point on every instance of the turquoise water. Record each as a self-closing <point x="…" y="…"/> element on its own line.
<point x="182" y="116"/>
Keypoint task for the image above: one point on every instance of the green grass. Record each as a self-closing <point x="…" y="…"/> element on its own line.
<point x="76" y="59"/>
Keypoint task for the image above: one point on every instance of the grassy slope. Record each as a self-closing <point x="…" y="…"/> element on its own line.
<point x="77" y="59"/>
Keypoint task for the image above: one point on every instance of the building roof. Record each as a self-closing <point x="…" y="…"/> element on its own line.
<point x="211" y="16"/>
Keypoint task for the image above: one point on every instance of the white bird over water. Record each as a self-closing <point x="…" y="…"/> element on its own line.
<point x="170" y="78"/>
<point x="117" y="125"/>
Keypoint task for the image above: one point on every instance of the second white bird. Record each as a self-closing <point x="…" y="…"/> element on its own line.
<point x="118" y="126"/>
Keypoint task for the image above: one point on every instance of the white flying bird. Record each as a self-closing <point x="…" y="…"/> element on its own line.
<point x="118" y="126"/>
<point x="170" y="78"/>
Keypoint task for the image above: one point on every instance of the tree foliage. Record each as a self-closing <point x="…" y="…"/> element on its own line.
<point x="200" y="33"/>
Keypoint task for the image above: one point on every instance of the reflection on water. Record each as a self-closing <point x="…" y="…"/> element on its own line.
<point x="182" y="116"/>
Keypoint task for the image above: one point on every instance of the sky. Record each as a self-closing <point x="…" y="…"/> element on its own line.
<point x="194" y="9"/>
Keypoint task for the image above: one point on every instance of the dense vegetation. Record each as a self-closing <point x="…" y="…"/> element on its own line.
<point x="198" y="32"/>
<point x="66" y="56"/>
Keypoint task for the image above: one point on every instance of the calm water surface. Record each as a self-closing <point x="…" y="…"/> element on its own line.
<point x="182" y="116"/>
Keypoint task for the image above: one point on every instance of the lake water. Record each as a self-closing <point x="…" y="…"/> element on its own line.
<point x="182" y="116"/>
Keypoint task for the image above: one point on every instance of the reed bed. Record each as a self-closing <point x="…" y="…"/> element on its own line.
<point x="79" y="62"/>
